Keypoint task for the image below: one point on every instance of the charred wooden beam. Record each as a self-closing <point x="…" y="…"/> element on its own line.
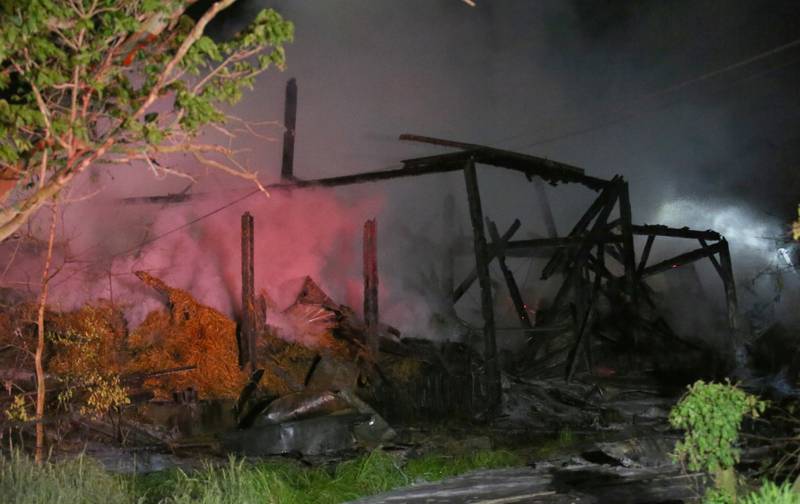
<point x="371" y="285"/>
<point x="648" y="246"/>
<point x="545" y="208"/>
<point x="659" y="230"/>
<point x="597" y="264"/>
<point x="713" y="259"/>
<point x="247" y="331"/>
<point x="464" y="286"/>
<point x="558" y="259"/>
<point x="532" y="166"/>
<point x="290" y="125"/>
<point x="580" y="257"/>
<point x="494" y="390"/>
<point x="549" y="170"/>
<point x="511" y="283"/>
<point x="628" y="251"/>
<point x="564" y="242"/>
<point x="730" y="284"/>
<point x="247" y="391"/>
<point x="586" y="318"/>
<point x="680" y="260"/>
<point x="160" y="199"/>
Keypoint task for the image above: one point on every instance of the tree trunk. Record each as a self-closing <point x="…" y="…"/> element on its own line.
<point x="40" y="383"/>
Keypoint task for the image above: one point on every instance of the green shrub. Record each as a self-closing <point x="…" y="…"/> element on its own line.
<point x="717" y="496"/>
<point x="711" y="414"/>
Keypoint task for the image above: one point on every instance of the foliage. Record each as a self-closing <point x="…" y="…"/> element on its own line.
<point x="79" y="480"/>
<point x="93" y="82"/>
<point x="770" y="493"/>
<point x="17" y="411"/>
<point x="711" y="414"/>
<point x="718" y="496"/>
<point x="84" y="361"/>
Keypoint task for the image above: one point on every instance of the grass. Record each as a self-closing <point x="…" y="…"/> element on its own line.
<point x="81" y="480"/>
<point x="77" y="480"/>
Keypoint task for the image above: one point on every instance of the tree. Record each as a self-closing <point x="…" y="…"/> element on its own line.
<point x="89" y="82"/>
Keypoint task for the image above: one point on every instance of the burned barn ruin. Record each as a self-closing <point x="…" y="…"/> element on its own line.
<point x="318" y="376"/>
<point x="603" y="315"/>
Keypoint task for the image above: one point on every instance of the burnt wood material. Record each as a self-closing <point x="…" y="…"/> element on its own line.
<point x="581" y="255"/>
<point x="730" y="285"/>
<point x="560" y="257"/>
<point x="524" y="248"/>
<point x="680" y="260"/>
<point x="464" y="286"/>
<point x="532" y="166"/>
<point x="648" y="246"/>
<point x="713" y="259"/>
<point x="628" y="252"/>
<point x="494" y="391"/>
<point x="511" y="283"/>
<point x="247" y="330"/>
<point x="659" y="230"/>
<point x="290" y="125"/>
<point x="583" y="329"/>
<point x="371" y="285"/>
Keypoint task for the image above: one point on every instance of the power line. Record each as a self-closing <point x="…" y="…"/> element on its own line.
<point x="626" y="107"/>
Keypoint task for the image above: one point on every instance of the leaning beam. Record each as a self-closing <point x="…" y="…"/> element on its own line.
<point x="511" y="283"/>
<point x="681" y="260"/>
<point x="494" y="390"/>
<point x="464" y="286"/>
<point x="532" y="166"/>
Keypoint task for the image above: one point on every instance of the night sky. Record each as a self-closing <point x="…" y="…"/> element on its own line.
<point x="612" y="86"/>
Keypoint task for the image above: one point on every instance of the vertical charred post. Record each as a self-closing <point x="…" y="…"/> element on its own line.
<point x="482" y="266"/>
<point x="729" y="283"/>
<point x="513" y="289"/>
<point x="626" y="228"/>
<point x="247" y="329"/>
<point x="371" y="285"/>
<point x="289" y="123"/>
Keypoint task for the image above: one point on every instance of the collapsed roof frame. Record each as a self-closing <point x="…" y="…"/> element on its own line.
<point x="580" y="256"/>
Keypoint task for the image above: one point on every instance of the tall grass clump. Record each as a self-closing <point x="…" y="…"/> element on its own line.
<point x="288" y="483"/>
<point x="80" y="480"/>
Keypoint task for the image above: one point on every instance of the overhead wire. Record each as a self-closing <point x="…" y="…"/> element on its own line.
<point x="631" y="108"/>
